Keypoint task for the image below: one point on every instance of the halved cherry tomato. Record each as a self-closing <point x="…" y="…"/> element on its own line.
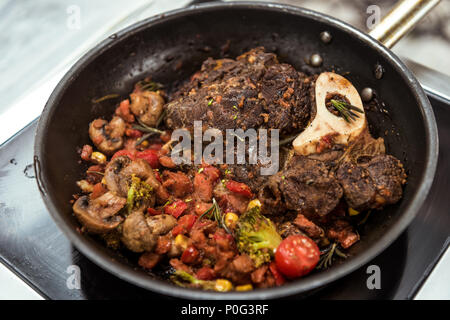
<point x="296" y="256"/>
<point x="238" y="187"/>
<point x="149" y="155"/>
<point x="129" y="153"/>
<point x="176" y="208"/>
<point x="185" y="224"/>
<point x="154" y="212"/>
<point x="279" y="279"/>
<point x="190" y="255"/>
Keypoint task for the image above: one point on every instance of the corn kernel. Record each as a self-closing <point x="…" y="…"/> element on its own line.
<point x="181" y="241"/>
<point x="98" y="157"/>
<point x="144" y="143"/>
<point x="231" y="219"/>
<point x="352" y="212"/>
<point x="223" y="285"/>
<point x="254" y="203"/>
<point x="244" y="287"/>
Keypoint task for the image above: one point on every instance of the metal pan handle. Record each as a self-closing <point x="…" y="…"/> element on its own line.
<point x="400" y="20"/>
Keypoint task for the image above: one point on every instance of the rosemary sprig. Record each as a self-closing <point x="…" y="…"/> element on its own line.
<point x="326" y="258"/>
<point x="346" y="110"/>
<point x="215" y="213"/>
<point x="147" y="85"/>
<point x="108" y="96"/>
<point x="150" y="131"/>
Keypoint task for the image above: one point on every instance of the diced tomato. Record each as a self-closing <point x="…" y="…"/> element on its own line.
<point x="240" y="188"/>
<point x="133" y="133"/>
<point x="129" y="153"/>
<point x="176" y="208"/>
<point x="149" y="155"/>
<point x="190" y="255"/>
<point x="296" y="256"/>
<point x="279" y="279"/>
<point x="156" y="146"/>
<point x="86" y="152"/>
<point x="123" y="111"/>
<point x="157" y="176"/>
<point x="98" y="191"/>
<point x="177" y="230"/>
<point x="149" y="260"/>
<point x="205" y="273"/>
<point x="154" y="212"/>
<point x="212" y="172"/>
<point x="187" y="221"/>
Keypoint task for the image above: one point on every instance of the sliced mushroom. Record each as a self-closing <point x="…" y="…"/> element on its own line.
<point x="99" y="215"/>
<point x="140" y="233"/>
<point x="327" y="125"/>
<point x="147" y="106"/>
<point x="119" y="171"/>
<point x="107" y="137"/>
<point x="136" y="234"/>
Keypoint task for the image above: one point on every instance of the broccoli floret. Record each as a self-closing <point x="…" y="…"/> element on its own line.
<point x="138" y="193"/>
<point x="257" y="236"/>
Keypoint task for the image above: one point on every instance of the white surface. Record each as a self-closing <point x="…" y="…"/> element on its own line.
<point x="437" y="286"/>
<point x="13" y="288"/>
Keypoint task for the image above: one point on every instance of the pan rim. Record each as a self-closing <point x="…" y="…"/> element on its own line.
<point x="101" y="258"/>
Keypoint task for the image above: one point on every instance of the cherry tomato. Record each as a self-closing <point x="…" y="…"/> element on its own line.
<point x="130" y="154"/>
<point x="296" y="256"/>
<point x="123" y="111"/>
<point x="185" y="224"/>
<point x="240" y="188"/>
<point x="149" y="155"/>
<point x="279" y="279"/>
<point x="176" y="208"/>
<point x="190" y="255"/>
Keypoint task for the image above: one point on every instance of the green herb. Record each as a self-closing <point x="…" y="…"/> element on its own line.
<point x="107" y="97"/>
<point x="201" y="170"/>
<point x="210" y="102"/>
<point x="215" y="213"/>
<point x="326" y="257"/>
<point x="235" y="117"/>
<point x="234" y="107"/>
<point x="147" y="85"/>
<point x="346" y="110"/>
<point x="138" y="193"/>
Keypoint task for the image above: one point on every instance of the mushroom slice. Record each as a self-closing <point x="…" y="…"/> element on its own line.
<point x="148" y="106"/>
<point x="107" y="137"/>
<point x="327" y="125"/>
<point x="99" y="215"/>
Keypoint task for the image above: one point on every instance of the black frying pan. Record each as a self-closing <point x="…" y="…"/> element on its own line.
<point x="171" y="47"/>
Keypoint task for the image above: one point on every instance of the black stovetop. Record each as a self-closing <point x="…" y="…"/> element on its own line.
<point x="35" y="249"/>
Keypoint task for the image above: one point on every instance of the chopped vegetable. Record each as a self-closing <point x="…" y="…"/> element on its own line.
<point x="149" y="155"/>
<point x="176" y="208"/>
<point x="244" y="287"/>
<point x="257" y="236"/>
<point x="98" y="157"/>
<point x="240" y="188"/>
<point x="231" y="219"/>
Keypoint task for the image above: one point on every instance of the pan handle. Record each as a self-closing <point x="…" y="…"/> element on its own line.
<point x="400" y="20"/>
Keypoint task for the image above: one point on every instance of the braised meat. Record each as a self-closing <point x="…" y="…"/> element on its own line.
<point x="372" y="184"/>
<point x="305" y="185"/>
<point x="253" y="91"/>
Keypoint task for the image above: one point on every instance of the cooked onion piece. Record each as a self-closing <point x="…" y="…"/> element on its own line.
<point x="330" y="127"/>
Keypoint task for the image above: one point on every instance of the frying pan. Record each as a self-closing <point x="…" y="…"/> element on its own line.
<point x="171" y="47"/>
